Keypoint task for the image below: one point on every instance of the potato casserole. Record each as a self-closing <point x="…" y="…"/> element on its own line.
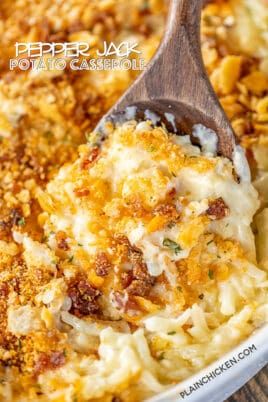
<point x="128" y="264"/>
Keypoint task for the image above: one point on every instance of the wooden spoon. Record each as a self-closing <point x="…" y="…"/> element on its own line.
<point x="175" y="85"/>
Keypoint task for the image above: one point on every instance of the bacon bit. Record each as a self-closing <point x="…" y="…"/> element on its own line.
<point x="142" y="281"/>
<point x="102" y="264"/>
<point x="139" y="288"/>
<point x="61" y="240"/>
<point x="81" y="192"/>
<point x="4" y="289"/>
<point x="84" y="298"/>
<point x="166" y="210"/>
<point x="122" y="240"/>
<point x="92" y="157"/>
<point x="126" y="279"/>
<point x="122" y="245"/>
<point x="50" y="361"/>
<point x="217" y="209"/>
<point x="141" y="273"/>
<point x="135" y="254"/>
<point x="137" y="282"/>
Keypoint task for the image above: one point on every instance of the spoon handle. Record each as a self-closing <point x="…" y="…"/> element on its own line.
<point x="178" y="73"/>
<point x="178" y="60"/>
<point x="176" y="81"/>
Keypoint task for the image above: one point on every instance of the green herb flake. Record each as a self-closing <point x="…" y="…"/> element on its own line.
<point x="21" y="222"/>
<point x="71" y="259"/>
<point x="211" y="274"/>
<point x="211" y="241"/>
<point x="171" y="333"/>
<point x="179" y="288"/>
<point x="152" y="149"/>
<point x="80" y="244"/>
<point x="173" y="174"/>
<point x="172" y="245"/>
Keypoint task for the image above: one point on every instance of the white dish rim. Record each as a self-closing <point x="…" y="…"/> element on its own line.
<point x="229" y="381"/>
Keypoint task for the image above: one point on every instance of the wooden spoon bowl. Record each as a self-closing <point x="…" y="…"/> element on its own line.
<point x="175" y="85"/>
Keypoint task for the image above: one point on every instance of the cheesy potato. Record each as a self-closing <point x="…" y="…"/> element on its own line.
<point x="152" y="266"/>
